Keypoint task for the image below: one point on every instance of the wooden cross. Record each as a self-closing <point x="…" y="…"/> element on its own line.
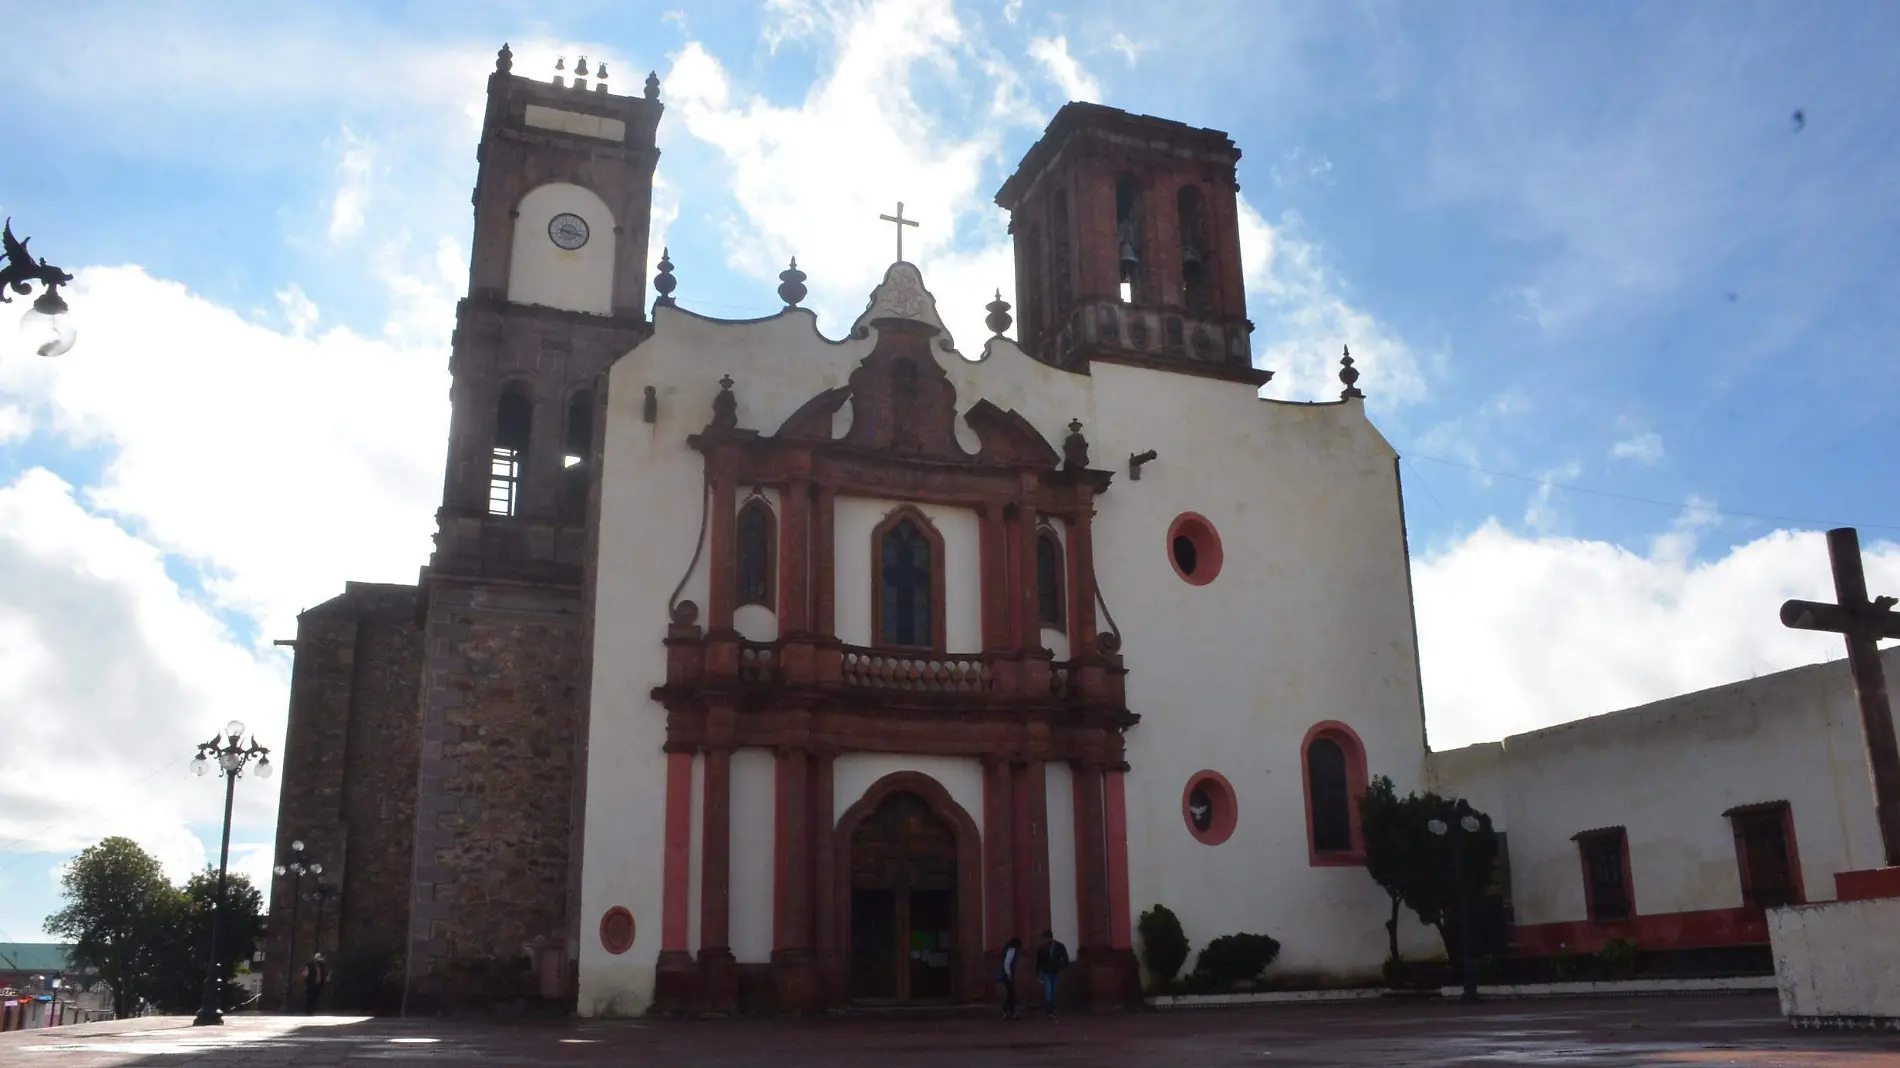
<point x="1863" y="623"/>
<point x="901" y="223"/>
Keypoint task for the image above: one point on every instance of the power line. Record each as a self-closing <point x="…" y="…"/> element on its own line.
<point x="1678" y="505"/>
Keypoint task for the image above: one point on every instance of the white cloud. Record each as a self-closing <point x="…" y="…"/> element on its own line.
<point x="1129" y="50"/>
<point x="1297" y="166"/>
<point x="1645" y="448"/>
<point x="1012" y="10"/>
<point x="300" y="312"/>
<point x="1061" y="67"/>
<point x="346" y="204"/>
<point x="1306" y="320"/>
<point x="1519" y="632"/>
<point x="15" y="424"/>
<point x="795" y="198"/>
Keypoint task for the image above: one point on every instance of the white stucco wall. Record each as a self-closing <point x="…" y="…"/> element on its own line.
<point x="541" y="272"/>
<point x="1308" y="621"/>
<point x="749" y="890"/>
<point x="1838" y="959"/>
<point x="854" y="520"/>
<point x="1666" y="772"/>
<point x="1063" y="907"/>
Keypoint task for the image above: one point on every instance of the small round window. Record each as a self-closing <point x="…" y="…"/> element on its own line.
<point x="1208" y="807"/>
<point x="1194" y="549"/>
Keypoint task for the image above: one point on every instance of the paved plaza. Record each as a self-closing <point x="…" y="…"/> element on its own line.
<point x="1732" y="1030"/>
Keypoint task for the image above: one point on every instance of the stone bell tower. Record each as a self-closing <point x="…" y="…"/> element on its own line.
<point x="1128" y="245"/>
<point x="557" y="292"/>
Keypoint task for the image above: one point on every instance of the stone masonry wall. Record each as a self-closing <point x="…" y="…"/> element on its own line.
<point x="495" y="796"/>
<point x="349" y="758"/>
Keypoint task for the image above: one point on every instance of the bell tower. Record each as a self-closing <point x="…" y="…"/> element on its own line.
<point x="557" y="292"/>
<point x="1128" y="245"/>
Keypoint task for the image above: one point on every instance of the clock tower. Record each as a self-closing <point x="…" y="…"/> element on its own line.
<point x="556" y="293"/>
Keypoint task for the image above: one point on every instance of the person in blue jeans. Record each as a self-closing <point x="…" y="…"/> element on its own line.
<point x="1051" y="958"/>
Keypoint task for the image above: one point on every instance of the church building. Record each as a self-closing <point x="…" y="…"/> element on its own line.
<point x="760" y="669"/>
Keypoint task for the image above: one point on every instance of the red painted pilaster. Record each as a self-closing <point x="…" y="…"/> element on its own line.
<point x="720" y="551"/>
<point x="794" y="559"/>
<point x="823" y="547"/>
<point x="999" y="853"/>
<point x="679" y="844"/>
<point x="993" y="556"/>
<point x="1091" y="873"/>
<point x="718" y="978"/>
<point x="1116" y="815"/>
<point x="1028" y="615"/>
<point x="1081" y="558"/>
<point x="791" y="886"/>
<point x="824" y="895"/>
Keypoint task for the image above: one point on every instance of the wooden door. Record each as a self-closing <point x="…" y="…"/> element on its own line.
<point x="903" y="903"/>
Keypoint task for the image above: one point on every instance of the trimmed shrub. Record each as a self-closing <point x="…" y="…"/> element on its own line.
<point x="1164" y="946"/>
<point x="1236" y="958"/>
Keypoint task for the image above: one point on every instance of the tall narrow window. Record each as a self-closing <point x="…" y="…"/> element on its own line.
<point x="1128" y="236"/>
<point x="1765" y="854"/>
<point x="1191" y="207"/>
<point x="1049" y="579"/>
<point x="514" y="418"/>
<point x="1334" y="766"/>
<point x="908" y="601"/>
<point x="758" y="537"/>
<point x="580" y="450"/>
<point x="1606" y="889"/>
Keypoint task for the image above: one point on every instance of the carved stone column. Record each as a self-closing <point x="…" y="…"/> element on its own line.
<point x="824" y="545"/>
<point x="674" y="975"/>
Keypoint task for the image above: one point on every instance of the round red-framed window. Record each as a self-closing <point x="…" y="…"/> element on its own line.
<point x="616" y="930"/>
<point x="1194" y="548"/>
<point x="1209" y="807"/>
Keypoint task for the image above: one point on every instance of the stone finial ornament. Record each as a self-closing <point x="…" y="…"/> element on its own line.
<point x="1075" y="448"/>
<point x="725" y="405"/>
<point x="1348" y="374"/>
<point x="653" y="85"/>
<point x="998" y="319"/>
<point x="791" y="284"/>
<point x="664" y="282"/>
<point x="504" y="59"/>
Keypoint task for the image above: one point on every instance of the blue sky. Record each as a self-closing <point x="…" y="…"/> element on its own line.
<point x="1571" y="246"/>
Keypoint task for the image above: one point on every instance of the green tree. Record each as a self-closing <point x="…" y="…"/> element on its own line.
<point x="1416" y="867"/>
<point x="1163" y="943"/>
<point x="179" y="985"/>
<point x="119" y="910"/>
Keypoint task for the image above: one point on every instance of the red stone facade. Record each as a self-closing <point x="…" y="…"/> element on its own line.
<point x="809" y="697"/>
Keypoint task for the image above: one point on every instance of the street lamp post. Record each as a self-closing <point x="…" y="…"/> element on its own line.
<point x="230" y="755"/>
<point x="297" y="868"/>
<point x="1458" y="829"/>
<point x="46" y="321"/>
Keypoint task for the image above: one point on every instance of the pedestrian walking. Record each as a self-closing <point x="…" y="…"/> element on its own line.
<point x="315" y="974"/>
<point x="1007" y="976"/>
<point x="1051" y="958"/>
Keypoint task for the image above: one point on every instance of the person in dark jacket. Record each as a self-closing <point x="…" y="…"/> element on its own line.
<point x="315" y="974"/>
<point x="1051" y="958"/>
<point x="1007" y="976"/>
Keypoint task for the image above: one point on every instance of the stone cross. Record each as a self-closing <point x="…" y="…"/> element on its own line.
<point x="1863" y="623"/>
<point x="900" y="222"/>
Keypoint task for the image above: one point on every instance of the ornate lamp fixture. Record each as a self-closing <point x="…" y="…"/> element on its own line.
<point x="45" y="324"/>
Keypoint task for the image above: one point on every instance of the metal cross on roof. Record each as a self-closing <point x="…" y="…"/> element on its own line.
<point x="900" y="222"/>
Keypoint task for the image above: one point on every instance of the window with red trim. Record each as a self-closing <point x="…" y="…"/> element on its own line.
<point x="757" y="555"/>
<point x="907" y="576"/>
<point x="1049" y="600"/>
<point x="1194" y="549"/>
<point x="1606" y="874"/>
<point x="1765" y="855"/>
<point x="1209" y="807"/>
<point x="1333" y="769"/>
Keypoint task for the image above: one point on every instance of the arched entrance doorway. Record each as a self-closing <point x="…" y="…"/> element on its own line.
<point x="903" y="904"/>
<point x="910" y="895"/>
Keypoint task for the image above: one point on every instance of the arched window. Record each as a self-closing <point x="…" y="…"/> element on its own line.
<point x="1335" y="774"/>
<point x="1049" y="600"/>
<point x="1128" y="236"/>
<point x="1196" y="289"/>
<point x="514" y="420"/>
<point x="758" y="542"/>
<point x="907" y="603"/>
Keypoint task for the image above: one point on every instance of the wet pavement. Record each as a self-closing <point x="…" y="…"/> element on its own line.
<point x="1728" y="1030"/>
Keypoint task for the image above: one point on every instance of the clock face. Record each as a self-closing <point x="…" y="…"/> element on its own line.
<point x="567" y="230"/>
